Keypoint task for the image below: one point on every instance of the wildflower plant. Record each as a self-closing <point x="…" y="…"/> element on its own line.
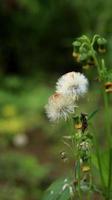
<point x="82" y="140"/>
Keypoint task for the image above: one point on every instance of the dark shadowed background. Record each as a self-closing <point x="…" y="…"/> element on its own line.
<point x="35" y="49"/>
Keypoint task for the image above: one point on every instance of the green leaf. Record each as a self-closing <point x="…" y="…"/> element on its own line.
<point x="91" y="115"/>
<point x="105" y="165"/>
<point x="59" y="190"/>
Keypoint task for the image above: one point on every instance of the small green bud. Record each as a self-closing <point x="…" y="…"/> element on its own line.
<point x="76" y="46"/>
<point x="83" y="57"/>
<point x="100" y="45"/>
<point x="84" y="39"/>
<point x="78" y="135"/>
<point x="84" y="48"/>
<point x="101" y="41"/>
<point x="88" y="61"/>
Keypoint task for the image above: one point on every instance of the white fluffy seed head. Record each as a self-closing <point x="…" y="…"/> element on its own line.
<point x="59" y="106"/>
<point x="72" y="83"/>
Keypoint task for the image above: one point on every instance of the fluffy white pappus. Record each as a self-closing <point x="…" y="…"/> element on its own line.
<point x="59" y="107"/>
<point x="72" y="83"/>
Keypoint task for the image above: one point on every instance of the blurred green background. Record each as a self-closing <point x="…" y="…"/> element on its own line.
<point x="35" y="49"/>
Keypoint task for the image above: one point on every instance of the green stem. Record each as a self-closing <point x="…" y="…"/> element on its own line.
<point x="107" y="117"/>
<point x="110" y="174"/>
<point x="72" y="133"/>
<point x="96" y="60"/>
<point x="108" y="127"/>
<point x="79" y="178"/>
<point x="95" y="141"/>
<point x="99" y="162"/>
<point x="108" y="131"/>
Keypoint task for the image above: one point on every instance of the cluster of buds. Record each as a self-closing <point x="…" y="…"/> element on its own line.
<point x="83" y="144"/>
<point x="83" y="49"/>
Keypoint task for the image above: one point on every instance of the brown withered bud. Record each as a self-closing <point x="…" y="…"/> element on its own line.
<point x="83" y="118"/>
<point x="63" y="156"/>
<point x="108" y="87"/>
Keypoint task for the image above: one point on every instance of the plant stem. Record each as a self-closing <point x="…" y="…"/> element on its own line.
<point x="108" y="130"/>
<point x="99" y="162"/>
<point x="95" y="141"/>
<point x="108" y="127"/>
<point x="96" y="60"/>
<point x="110" y="173"/>
<point x="72" y="133"/>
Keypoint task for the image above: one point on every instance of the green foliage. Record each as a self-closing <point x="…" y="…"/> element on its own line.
<point x="104" y="160"/>
<point x="11" y="193"/>
<point x="82" y="141"/>
<point x="59" y="190"/>
<point x="21" y="104"/>
<point x="102" y="172"/>
<point x="28" y="44"/>
<point x="17" y="167"/>
<point x="21" y="175"/>
<point x="91" y="115"/>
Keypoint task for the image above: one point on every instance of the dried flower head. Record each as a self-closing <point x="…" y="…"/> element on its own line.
<point x="72" y="83"/>
<point x="59" y="106"/>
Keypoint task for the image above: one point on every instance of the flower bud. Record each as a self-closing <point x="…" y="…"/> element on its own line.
<point x="78" y="126"/>
<point x="108" y="87"/>
<point x="89" y="61"/>
<point x="86" y="168"/>
<point x="83" y="57"/>
<point x="100" y="45"/>
<point x="84" y="49"/>
<point x="101" y="41"/>
<point x="76" y="46"/>
<point x="76" y="56"/>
